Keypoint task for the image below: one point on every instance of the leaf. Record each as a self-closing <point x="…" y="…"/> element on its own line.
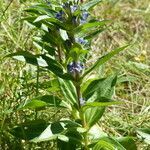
<point x="42" y="61"/>
<point x="88" y="26"/>
<point x="144" y="133"/>
<point x="96" y="133"/>
<point x="51" y="20"/>
<point x="50" y="133"/>
<point x="41" y="9"/>
<point x="29" y="130"/>
<point x="42" y="101"/>
<point x="100" y="104"/>
<point x="73" y="143"/>
<point x="127" y="142"/>
<point x="56" y="130"/>
<point x="100" y="90"/>
<point x="107" y="143"/>
<point x="127" y="78"/>
<point x="104" y="59"/>
<point x="139" y="66"/>
<point x="89" y="5"/>
<point x="69" y="91"/>
<point x="44" y="46"/>
<point x="92" y="115"/>
<point x="28" y="58"/>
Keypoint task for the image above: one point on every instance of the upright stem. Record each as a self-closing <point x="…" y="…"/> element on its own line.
<point x="37" y="89"/>
<point x="79" y="95"/>
<point x="59" y="53"/>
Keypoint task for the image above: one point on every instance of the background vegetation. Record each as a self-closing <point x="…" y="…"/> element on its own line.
<point x="130" y="24"/>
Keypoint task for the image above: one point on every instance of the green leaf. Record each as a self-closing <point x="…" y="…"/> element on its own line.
<point x="92" y="115"/>
<point x="56" y="130"/>
<point x="51" y="20"/>
<point x="29" y="58"/>
<point x="44" y="46"/>
<point x="100" y="104"/>
<point x="127" y="142"/>
<point x="95" y="133"/>
<point x="76" y="51"/>
<point x="29" y="130"/>
<point x="73" y="143"/>
<point x="98" y="94"/>
<point x="104" y="59"/>
<point x="69" y="91"/>
<point x="42" y="61"/>
<point x="41" y="9"/>
<point x="144" y="134"/>
<point x="50" y="133"/>
<point x="100" y="90"/>
<point x="88" y="26"/>
<point x="89" y="5"/>
<point x="107" y="143"/>
<point x="42" y="101"/>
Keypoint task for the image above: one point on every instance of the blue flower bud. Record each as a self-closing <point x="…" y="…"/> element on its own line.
<point x="84" y="17"/>
<point x="60" y="15"/>
<point x="48" y="2"/>
<point x="81" y="41"/>
<point x="74" y="8"/>
<point x="74" y="20"/>
<point x="82" y="101"/>
<point x="74" y="67"/>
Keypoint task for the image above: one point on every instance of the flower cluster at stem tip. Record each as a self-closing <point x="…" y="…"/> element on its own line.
<point x="82" y="101"/>
<point x="74" y="67"/>
<point x="60" y="15"/>
<point x="81" y="41"/>
<point x="73" y="8"/>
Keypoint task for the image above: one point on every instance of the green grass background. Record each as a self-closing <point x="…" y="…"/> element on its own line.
<point x="130" y="24"/>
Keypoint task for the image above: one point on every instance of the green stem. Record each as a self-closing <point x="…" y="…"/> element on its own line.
<point x="59" y="54"/>
<point x="37" y="89"/>
<point x="79" y="95"/>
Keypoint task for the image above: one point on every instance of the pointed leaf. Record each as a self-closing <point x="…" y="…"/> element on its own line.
<point x="144" y="133"/>
<point x="104" y="59"/>
<point x="88" y="26"/>
<point x="127" y="142"/>
<point x="100" y="90"/>
<point x="29" y="130"/>
<point x="42" y="101"/>
<point x="107" y="143"/>
<point x="42" y="61"/>
<point x="89" y="5"/>
<point x="99" y="104"/>
<point x="92" y="115"/>
<point x="69" y="91"/>
<point x="56" y="130"/>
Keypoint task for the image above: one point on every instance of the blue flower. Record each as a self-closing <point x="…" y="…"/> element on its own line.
<point x="81" y="41"/>
<point x="73" y="8"/>
<point x="82" y="101"/>
<point x="60" y="15"/>
<point x="74" y="67"/>
<point x="48" y="2"/>
<point x="84" y="17"/>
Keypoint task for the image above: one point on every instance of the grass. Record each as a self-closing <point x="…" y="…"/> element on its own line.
<point x="130" y="24"/>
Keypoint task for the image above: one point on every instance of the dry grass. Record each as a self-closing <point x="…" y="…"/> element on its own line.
<point x="130" y="25"/>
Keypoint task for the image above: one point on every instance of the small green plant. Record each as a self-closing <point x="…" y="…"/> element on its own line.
<point x="66" y="29"/>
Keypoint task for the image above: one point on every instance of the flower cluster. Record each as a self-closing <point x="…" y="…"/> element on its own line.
<point x="60" y="15"/>
<point x="74" y="67"/>
<point x="81" y="41"/>
<point x="82" y="101"/>
<point x="73" y="8"/>
<point x="84" y="17"/>
<point x="48" y="2"/>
